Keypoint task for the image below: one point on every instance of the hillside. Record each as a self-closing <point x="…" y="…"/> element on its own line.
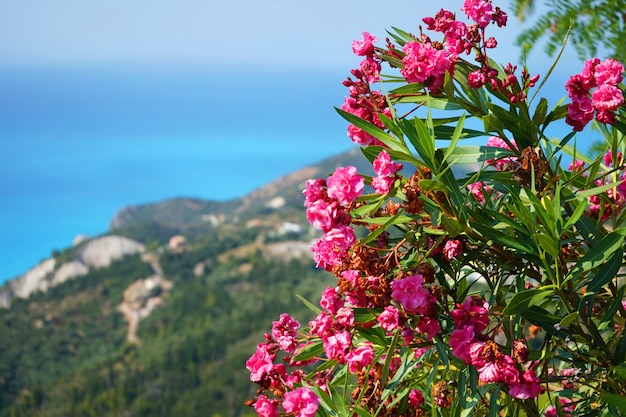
<point x="163" y="330"/>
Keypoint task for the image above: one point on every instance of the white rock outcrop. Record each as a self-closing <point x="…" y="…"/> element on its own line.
<point x="96" y="253"/>
<point x="102" y="251"/>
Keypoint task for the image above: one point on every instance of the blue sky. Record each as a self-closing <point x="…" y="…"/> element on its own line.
<point x="278" y="33"/>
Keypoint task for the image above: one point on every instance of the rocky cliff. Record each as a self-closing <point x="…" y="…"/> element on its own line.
<point x="95" y="253"/>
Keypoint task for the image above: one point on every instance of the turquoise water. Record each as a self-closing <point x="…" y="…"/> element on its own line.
<point x="76" y="146"/>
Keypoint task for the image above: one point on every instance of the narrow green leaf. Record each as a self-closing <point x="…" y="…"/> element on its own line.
<point x="569" y="319"/>
<point x="390" y="353"/>
<point x="578" y="212"/>
<point x="617" y="401"/>
<point x="522" y="301"/>
<point x="506" y="240"/>
<point x="599" y="253"/>
<point x="597" y="190"/>
<point x="309" y="305"/>
<point x="310" y="351"/>
<point x="612" y="309"/>
<point x="607" y="272"/>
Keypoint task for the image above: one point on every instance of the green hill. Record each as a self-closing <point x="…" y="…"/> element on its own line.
<point x="201" y="307"/>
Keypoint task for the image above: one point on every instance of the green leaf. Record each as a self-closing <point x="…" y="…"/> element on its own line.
<point x="309" y="305"/>
<point x="578" y="212"/>
<point x="569" y="319"/>
<point x="612" y="309"/>
<point x="598" y="254"/>
<point x="375" y="131"/>
<point x="522" y="301"/>
<point x="310" y="351"/>
<point x="617" y="401"/>
<point x="390" y="353"/>
<point x="597" y="190"/>
<point x="472" y="154"/>
<point x="607" y="272"/>
<point x="504" y="239"/>
<point x="540" y="112"/>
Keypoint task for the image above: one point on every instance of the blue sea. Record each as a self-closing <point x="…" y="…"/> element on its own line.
<point x="76" y="145"/>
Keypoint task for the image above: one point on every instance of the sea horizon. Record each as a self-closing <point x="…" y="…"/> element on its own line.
<point x="80" y="145"/>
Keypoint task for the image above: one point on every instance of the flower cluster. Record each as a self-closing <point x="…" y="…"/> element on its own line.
<point x="487" y="275"/>
<point x="603" y="77"/>
<point x="326" y="204"/>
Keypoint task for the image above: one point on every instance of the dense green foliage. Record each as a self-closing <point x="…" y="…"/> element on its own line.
<point x="64" y="352"/>
<point x="596" y="25"/>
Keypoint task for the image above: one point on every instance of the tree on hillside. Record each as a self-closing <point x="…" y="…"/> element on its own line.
<point x="596" y="25"/>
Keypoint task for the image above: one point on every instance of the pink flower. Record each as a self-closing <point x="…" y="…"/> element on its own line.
<point x="529" y="386"/>
<point x="344" y="318"/>
<point x="365" y="47"/>
<point x="610" y="71"/>
<point x="479" y="190"/>
<point x="382" y="185"/>
<point x="265" y="407"/>
<point x="452" y="249"/>
<point x="285" y="331"/>
<point x="579" y="113"/>
<point x="331" y="301"/>
<point x="322" y="325"/>
<point x="360" y="358"/>
<point x="497" y="142"/>
<point x="606" y="97"/>
<point x="476" y="79"/>
<point x="341" y="237"/>
<point x="337" y="345"/>
<point x="384" y="166"/>
<point x="425" y="64"/>
<point x="416" y="398"/>
<point x="315" y="190"/>
<point x="480" y="11"/>
<point x="370" y="70"/>
<point x="260" y="363"/>
<point x="460" y="342"/>
<point x="576" y="165"/>
<point x="324" y="215"/>
<point x="389" y="318"/>
<point x="345" y="185"/>
<point x="474" y="312"/>
<point x="411" y="293"/>
<point x="429" y="326"/>
<point x="326" y="255"/>
<point x="301" y="401"/>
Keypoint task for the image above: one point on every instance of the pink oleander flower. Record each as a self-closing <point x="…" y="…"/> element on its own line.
<point x="576" y="165"/>
<point x="344" y="318"/>
<point x="341" y="237"/>
<point x="321" y="325"/>
<point x="606" y="97"/>
<point x="337" y="345"/>
<point x="260" y="363"/>
<point x="389" y="318"/>
<point x="429" y="326"/>
<point x="331" y="300"/>
<point x="411" y="293"/>
<point x="384" y="166"/>
<point x="382" y="185"/>
<point x="579" y="113"/>
<point x="529" y="386"/>
<point x="345" y="185"/>
<point x="301" y="401"/>
<point x="285" y="331"/>
<point x="497" y="142"/>
<point x="416" y="398"/>
<point x="460" y="341"/>
<point x="425" y="64"/>
<point x="473" y="312"/>
<point x="360" y="357"/>
<point x="480" y="11"/>
<point x="567" y="408"/>
<point x="324" y="215"/>
<point x="365" y="47"/>
<point x="266" y="407"/>
<point x="326" y="255"/>
<point x="476" y="79"/>
<point x="479" y="191"/>
<point x="385" y="170"/>
<point x="610" y="71"/>
<point x="608" y="159"/>
<point x="502" y="369"/>
<point x="452" y="249"/>
<point x="370" y="70"/>
<point x="315" y="190"/>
